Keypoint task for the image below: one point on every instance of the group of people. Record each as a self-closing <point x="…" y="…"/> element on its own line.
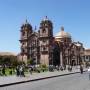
<point x="20" y="71"/>
<point x="58" y="68"/>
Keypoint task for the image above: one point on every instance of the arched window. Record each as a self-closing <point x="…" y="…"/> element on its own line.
<point x="44" y="48"/>
<point x="23" y="33"/>
<point x="43" y="31"/>
<point x="44" y="41"/>
<point x="23" y="50"/>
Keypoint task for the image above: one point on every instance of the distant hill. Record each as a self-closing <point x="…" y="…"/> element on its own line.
<point x="7" y="54"/>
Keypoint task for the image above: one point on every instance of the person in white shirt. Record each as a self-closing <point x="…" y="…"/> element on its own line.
<point x="89" y="72"/>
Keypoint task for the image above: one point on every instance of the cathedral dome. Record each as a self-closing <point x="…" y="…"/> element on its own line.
<point x="7" y="54"/>
<point x="62" y="34"/>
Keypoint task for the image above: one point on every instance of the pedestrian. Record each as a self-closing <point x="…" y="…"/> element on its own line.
<point x="10" y="72"/>
<point x="57" y="67"/>
<point x="30" y="70"/>
<point x="3" y="71"/>
<point x="89" y="72"/>
<point x="0" y="72"/>
<point x="70" y="68"/>
<point x="17" y="71"/>
<point x="81" y="69"/>
<point x="61" y="68"/>
<point x="22" y="71"/>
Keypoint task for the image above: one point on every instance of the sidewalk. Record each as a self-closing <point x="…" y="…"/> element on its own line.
<point x="11" y="80"/>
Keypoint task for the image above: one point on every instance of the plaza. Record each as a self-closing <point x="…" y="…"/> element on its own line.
<point x="68" y="81"/>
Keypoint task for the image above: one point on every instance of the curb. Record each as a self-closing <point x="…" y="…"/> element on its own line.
<point x="9" y="84"/>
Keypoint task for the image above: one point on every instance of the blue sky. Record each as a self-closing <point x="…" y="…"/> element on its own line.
<point x="74" y="15"/>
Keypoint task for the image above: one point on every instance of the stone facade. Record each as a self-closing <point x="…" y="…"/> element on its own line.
<point x="43" y="48"/>
<point x="87" y="55"/>
<point x="71" y="53"/>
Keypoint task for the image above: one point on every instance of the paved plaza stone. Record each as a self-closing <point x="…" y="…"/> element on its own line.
<point x="14" y="79"/>
<point x="69" y="82"/>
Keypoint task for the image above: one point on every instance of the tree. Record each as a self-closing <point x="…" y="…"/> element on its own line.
<point x="9" y="60"/>
<point x="30" y="62"/>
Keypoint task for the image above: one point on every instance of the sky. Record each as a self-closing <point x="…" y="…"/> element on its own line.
<point x="74" y="15"/>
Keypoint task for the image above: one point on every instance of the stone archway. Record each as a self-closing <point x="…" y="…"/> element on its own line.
<point x="56" y="54"/>
<point x="73" y="63"/>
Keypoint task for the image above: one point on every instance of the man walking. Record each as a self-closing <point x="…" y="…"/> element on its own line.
<point x="81" y="69"/>
<point x="89" y="72"/>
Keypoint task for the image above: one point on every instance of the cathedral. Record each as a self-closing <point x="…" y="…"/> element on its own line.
<point x="44" y="48"/>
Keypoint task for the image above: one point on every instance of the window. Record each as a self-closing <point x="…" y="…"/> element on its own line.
<point x="73" y="52"/>
<point x="43" y="40"/>
<point x="23" y="50"/>
<point x="46" y="25"/>
<point x="43" y="31"/>
<point x="23" y="33"/>
<point x="86" y="57"/>
<point x="23" y="43"/>
<point x="39" y="31"/>
<point x="44" y="48"/>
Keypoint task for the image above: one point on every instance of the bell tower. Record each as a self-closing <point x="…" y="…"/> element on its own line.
<point x="45" y="41"/>
<point x="26" y="31"/>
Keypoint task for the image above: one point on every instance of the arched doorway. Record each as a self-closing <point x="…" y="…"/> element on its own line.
<point x="56" y="54"/>
<point x="73" y="63"/>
